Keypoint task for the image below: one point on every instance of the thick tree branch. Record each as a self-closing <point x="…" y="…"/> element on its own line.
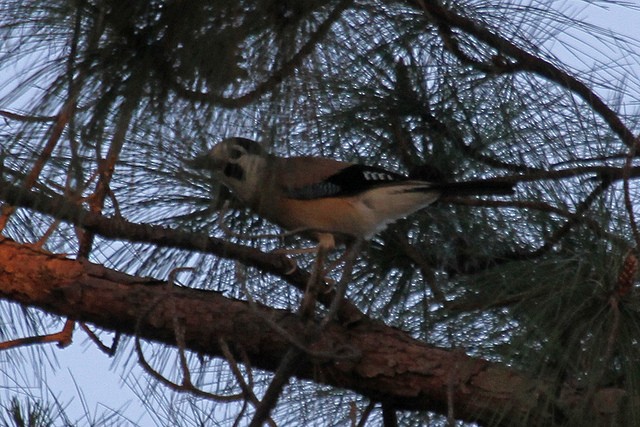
<point x="383" y="363"/>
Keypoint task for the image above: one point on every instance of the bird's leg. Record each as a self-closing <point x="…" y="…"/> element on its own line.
<point x="350" y="256"/>
<point x="292" y="262"/>
<point x="325" y="244"/>
<point x="352" y="249"/>
<point x="325" y="240"/>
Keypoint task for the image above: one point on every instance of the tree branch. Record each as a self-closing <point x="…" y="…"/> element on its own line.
<point x="392" y="368"/>
<point x="118" y="228"/>
<point x="27" y="118"/>
<point x="274" y="79"/>
<point x="526" y="62"/>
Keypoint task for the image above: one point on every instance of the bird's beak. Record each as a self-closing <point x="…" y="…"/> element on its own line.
<point x="205" y="162"/>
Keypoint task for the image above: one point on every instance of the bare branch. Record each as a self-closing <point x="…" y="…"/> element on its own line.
<point x="62" y="118"/>
<point x="63" y="338"/>
<point x="365" y="414"/>
<point x="27" y="118"/>
<point x="108" y="350"/>
<point x="247" y="389"/>
<point x="186" y="386"/>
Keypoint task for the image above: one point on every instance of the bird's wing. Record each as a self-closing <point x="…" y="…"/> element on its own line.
<point x="306" y="178"/>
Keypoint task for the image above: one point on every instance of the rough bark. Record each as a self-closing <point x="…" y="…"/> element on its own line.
<point x="380" y="362"/>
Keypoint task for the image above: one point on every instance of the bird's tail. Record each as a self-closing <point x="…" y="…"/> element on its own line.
<point x="471" y="188"/>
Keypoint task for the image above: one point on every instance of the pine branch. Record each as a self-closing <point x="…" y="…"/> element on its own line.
<point x="275" y="78"/>
<point x="524" y="61"/>
<point x="119" y="228"/>
<point x="392" y="367"/>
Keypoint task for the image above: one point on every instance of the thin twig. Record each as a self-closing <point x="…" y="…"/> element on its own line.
<point x="107" y="166"/>
<point x="270" y="83"/>
<point x="63" y="338"/>
<point x="285" y="371"/>
<point x="365" y="414"/>
<point x="240" y="414"/>
<point x="247" y="388"/>
<point x="27" y="118"/>
<point x="109" y="350"/>
<point x="628" y="203"/>
<point x="182" y="388"/>
<point x="526" y="61"/>
<point x="186" y="385"/>
<point x="473" y="303"/>
<point x="350" y="257"/>
<point x="233" y="365"/>
<point x="541" y="206"/>
<point x="580" y="210"/>
<point x="62" y="119"/>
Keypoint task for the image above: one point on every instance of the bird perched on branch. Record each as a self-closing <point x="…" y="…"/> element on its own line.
<point x="327" y="200"/>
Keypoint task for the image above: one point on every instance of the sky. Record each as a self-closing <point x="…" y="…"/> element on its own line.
<point x="83" y="367"/>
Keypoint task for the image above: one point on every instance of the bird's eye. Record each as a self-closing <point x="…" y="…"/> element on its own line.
<point x="235" y="153"/>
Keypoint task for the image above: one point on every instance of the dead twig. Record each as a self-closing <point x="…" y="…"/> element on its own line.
<point x="63" y="338"/>
<point x="109" y="350"/>
<point x="186" y="385"/>
<point x="365" y="414"/>
<point x="247" y="388"/>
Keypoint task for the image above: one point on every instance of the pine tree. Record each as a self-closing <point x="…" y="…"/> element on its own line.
<point x="513" y="310"/>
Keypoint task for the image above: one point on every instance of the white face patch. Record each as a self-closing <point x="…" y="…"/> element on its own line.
<point x="248" y="180"/>
<point x="240" y="169"/>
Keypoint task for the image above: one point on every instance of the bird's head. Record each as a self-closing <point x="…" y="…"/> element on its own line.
<point x="238" y="163"/>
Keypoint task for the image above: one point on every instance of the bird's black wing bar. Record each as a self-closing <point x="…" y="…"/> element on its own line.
<point x="349" y="181"/>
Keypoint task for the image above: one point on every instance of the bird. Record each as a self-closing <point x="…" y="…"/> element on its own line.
<point x="329" y="201"/>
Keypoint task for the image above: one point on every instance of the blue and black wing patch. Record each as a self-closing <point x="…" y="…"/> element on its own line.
<point x="349" y="181"/>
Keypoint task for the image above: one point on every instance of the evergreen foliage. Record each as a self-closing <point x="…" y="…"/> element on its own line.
<point x="102" y="101"/>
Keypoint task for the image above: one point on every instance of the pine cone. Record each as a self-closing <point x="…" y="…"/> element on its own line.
<point x="627" y="274"/>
